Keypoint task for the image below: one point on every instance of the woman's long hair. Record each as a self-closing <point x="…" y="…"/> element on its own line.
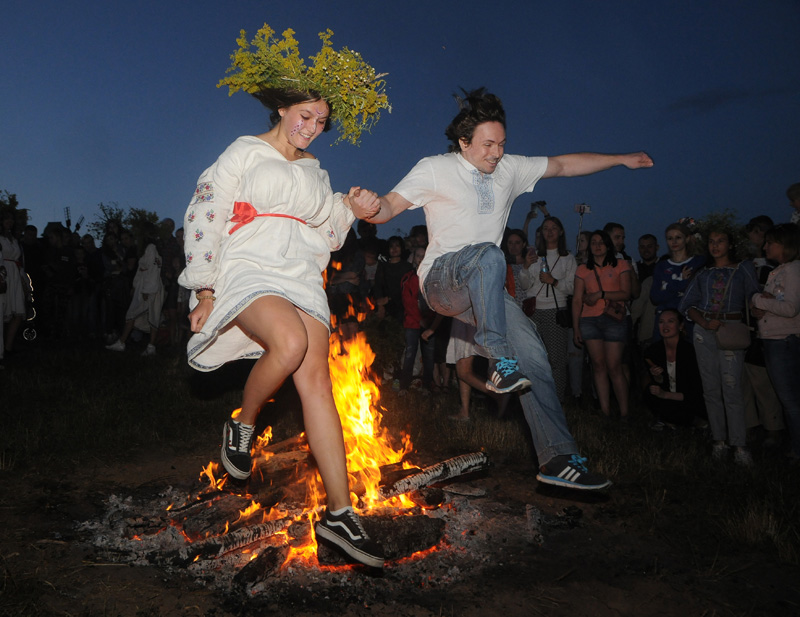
<point x="541" y="244"/>
<point x="611" y="255"/>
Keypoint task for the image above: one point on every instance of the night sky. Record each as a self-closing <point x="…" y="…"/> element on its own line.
<point x="112" y="102"/>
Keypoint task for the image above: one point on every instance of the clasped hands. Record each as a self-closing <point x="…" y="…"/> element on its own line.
<point x="364" y="203"/>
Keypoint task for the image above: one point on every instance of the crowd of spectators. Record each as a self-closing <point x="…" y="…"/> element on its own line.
<point x="615" y="328"/>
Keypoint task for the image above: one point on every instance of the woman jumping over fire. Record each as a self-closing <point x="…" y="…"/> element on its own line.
<point x="259" y="231"/>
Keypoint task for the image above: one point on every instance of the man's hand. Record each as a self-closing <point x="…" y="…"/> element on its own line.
<point x="364" y="203"/>
<point x="637" y="160"/>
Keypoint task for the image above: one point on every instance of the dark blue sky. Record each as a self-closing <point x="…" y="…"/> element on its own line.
<point x="117" y="102"/>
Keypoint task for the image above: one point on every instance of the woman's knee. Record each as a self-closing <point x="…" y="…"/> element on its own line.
<point x="290" y="349"/>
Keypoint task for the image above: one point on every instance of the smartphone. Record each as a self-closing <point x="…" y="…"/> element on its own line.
<point x="583" y="208"/>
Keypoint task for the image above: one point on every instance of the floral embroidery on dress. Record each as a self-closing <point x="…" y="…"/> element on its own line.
<point x="203" y="193"/>
<point x="198" y="235"/>
<point x="189" y="257"/>
<point x="208" y="256"/>
<point x="718" y="290"/>
<point x="210" y="216"/>
<point x="191" y="216"/>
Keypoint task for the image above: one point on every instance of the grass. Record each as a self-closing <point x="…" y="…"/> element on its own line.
<point x="72" y="404"/>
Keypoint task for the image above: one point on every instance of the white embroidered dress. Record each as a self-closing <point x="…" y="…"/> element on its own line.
<point x="258" y="225"/>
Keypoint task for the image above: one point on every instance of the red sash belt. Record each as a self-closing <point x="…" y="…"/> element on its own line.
<point x="244" y="213"/>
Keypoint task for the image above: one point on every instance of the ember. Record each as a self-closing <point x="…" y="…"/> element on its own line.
<point x="266" y="533"/>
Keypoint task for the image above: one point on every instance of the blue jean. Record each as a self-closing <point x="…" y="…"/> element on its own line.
<point x="783" y="365"/>
<point x="413" y="341"/>
<point x="468" y="285"/>
<point x="721" y="374"/>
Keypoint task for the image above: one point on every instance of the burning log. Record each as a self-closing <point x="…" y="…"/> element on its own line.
<point x="451" y="468"/>
<point x="298" y="442"/>
<point x="220" y="545"/>
<point x="210" y="519"/>
<point x="280" y="461"/>
<point x="266" y="565"/>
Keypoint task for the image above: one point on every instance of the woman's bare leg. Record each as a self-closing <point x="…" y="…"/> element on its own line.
<point x="613" y="353"/>
<point x="600" y="371"/>
<point x="323" y="426"/>
<point x="275" y="322"/>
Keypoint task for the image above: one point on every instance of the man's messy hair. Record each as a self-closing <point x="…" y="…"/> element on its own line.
<point x="477" y="107"/>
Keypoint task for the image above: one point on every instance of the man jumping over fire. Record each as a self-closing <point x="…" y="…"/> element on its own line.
<point x="467" y="196"/>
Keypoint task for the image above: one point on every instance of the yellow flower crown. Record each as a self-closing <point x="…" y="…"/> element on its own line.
<point x="351" y="87"/>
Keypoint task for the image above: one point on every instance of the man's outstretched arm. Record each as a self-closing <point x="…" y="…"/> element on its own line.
<point x="585" y="163"/>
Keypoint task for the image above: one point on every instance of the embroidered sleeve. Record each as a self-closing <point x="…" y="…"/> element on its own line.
<point x="693" y="295"/>
<point x="206" y="217"/>
<point x="335" y="229"/>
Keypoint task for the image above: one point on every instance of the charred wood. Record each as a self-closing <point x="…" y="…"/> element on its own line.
<point x="267" y="564"/>
<point x="451" y="468"/>
<point x="220" y="545"/>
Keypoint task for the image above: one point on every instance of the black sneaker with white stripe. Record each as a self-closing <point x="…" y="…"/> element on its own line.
<point x="237" y="440"/>
<point x="504" y="376"/>
<point x="570" y="470"/>
<point x="346" y="532"/>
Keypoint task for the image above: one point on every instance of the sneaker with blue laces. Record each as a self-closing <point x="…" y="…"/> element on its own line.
<point x="237" y="440"/>
<point x="504" y="376"/>
<point x="569" y="470"/>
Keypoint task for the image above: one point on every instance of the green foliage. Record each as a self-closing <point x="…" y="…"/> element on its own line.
<point x="8" y="200"/>
<point x="352" y="88"/>
<point x="108" y="212"/>
<point x="723" y="222"/>
<point x="10" y="203"/>
<point x="136" y="220"/>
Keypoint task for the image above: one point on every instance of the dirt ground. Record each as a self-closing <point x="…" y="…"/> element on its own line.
<point x="614" y="562"/>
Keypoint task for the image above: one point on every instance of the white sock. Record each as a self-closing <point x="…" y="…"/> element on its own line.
<point x="341" y="510"/>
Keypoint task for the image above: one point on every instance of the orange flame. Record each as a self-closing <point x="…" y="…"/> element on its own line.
<point x="367" y="443"/>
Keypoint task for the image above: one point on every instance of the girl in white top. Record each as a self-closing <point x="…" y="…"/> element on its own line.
<point x="551" y="289"/>
<point x="259" y="232"/>
<point x="13" y="313"/>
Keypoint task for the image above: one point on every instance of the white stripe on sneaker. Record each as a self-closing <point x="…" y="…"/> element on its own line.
<point x="570" y="474"/>
<point x="331" y="523"/>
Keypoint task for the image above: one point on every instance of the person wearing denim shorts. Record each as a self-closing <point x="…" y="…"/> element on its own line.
<point x="603" y="279"/>
<point x="467" y="196"/>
